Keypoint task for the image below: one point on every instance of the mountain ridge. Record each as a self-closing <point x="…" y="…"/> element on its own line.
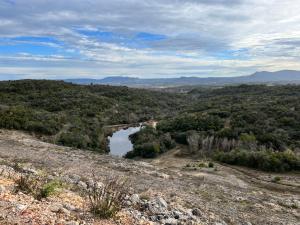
<point x="281" y="77"/>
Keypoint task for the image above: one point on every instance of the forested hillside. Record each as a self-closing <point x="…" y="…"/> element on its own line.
<point x="250" y="125"/>
<point x="270" y="115"/>
<point x="255" y="126"/>
<point x="75" y="115"/>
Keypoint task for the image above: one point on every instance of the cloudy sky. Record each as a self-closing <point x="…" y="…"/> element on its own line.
<point x="147" y="38"/>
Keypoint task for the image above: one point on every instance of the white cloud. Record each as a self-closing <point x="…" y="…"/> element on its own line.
<point x="204" y="37"/>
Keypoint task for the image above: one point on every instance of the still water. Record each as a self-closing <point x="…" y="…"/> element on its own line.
<point x="119" y="143"/>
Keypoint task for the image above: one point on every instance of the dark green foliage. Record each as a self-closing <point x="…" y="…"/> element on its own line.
<point x="180" y="137"/>
<point x="190" y="121"/>
<point x="263" y="160"/>
<point x="149" y="143"/>
<point x="75" y="115"/>
<point x="49" y="188"/>
<point x="166" y="142"/>
<point x="210" y="164"/>
<point x="248" y="117"/>
<point x="19" y="117"/>
<point x="271" y="115"/>
<point x="146" y="150"/>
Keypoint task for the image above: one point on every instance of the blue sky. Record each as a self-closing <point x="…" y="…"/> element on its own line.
<point x="150" y="38"/>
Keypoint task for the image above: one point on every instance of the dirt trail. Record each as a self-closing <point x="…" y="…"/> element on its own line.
<point x="222" y="194"/>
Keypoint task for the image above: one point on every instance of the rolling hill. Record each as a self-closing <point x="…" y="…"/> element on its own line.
<point x="279" y="77"/>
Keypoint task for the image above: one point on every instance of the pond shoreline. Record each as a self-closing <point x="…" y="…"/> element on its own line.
<point x="114" y="129"/>
<point x="119" y="143"/>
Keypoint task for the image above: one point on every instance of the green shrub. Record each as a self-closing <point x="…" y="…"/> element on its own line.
<point x="180" y="137"/>
<point x="276" y="179"/>
<point x="210" y="164"/>
<point x="147" y="150"/>
<point x="166" y="142"/>
<point x="38" y="187"/>
<point x="49" y="188"/>
<point x="202" y="164"/>
<point x="266" y="160"/>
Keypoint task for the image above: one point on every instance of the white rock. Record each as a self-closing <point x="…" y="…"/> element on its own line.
<point x="72" y="223"/>
<point x="2" y="189"/>
<point x="30" y="170"/>
<point x="70" y="207"/>
<point x="82" y="184"/>
<point x="55" y="208"/>
<point x="21" y="207"/>
<point x="170" y="221"/>
<point x="162" y="202"/>
<point x="247" y="223"/>
<point x="65" y="211"/>
<point x="135" y="198"/>
<point x="75" y="178"/>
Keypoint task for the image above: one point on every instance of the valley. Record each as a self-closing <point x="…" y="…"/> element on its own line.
<point x="204" y="156"/>
<point x="155" y="112"/>
<point x="219" y="195"/>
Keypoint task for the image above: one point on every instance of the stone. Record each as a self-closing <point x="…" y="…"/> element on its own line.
<point x="153" y="218"/>
<point x="30" y="171"/>
<point x="161" y="175"/>
<point x="72" y="223"/>
<point x="69" y="207"/>
<point x="161" y="202"/>
<point x="2" y="189"/>
<point x="160" y="217"/>
<point x="170" y="221"/>
<point x="75" y="178"/>
<point x="21" y="207"/>
<point x="196" y="212"/>
<point x="128" y="203"/>
<point x="64" y="211"/>
<point x="177" y="214"/>
<point x="55" y="208"/>
<point x="82" y="185"/>
<point x="135" y="199"/>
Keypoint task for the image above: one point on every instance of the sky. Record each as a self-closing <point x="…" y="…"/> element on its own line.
<point x="46" y="39"/>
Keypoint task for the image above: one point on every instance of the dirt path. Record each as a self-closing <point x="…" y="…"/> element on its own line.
<point x="223" y="195"/>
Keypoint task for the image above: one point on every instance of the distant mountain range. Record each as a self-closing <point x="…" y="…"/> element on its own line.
<point x="279" y="77"/>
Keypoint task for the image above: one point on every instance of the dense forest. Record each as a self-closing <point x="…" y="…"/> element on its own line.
<point x="249" y="125"/>
<point x="76" y="115"/>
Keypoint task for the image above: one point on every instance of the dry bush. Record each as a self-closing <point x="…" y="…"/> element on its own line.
<point x="27" y="184"/>
<point x="107" y="199"/>
<point x="38" y="187"/>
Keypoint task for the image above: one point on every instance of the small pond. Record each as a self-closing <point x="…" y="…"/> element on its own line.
<point x="119" y="143"/>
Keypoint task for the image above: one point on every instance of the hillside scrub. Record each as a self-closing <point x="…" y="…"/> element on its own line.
<point x="264" y="160"/>
<point x="75" y="115"/>
<point x="149" y="143"/>
<point x="248" y="117"/>
<point x="270" y="114"/>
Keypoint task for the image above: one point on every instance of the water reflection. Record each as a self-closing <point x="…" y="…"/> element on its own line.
<point x="119" y="142"/>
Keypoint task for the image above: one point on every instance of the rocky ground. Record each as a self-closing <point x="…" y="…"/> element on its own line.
<point x="167" y="190"/>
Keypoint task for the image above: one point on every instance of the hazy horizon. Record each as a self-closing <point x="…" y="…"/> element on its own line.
<point x="147" y="39"/>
